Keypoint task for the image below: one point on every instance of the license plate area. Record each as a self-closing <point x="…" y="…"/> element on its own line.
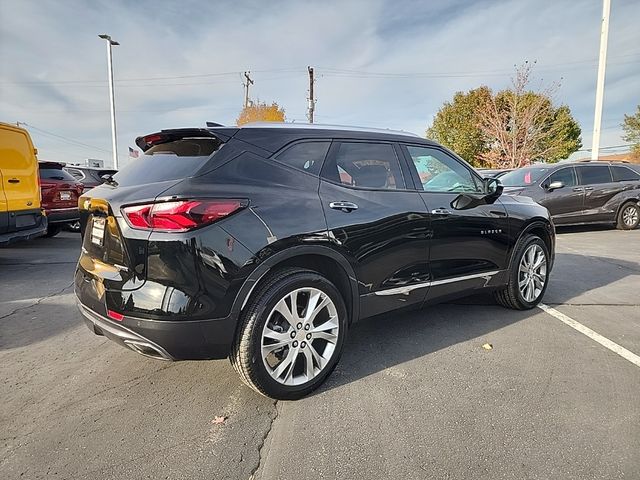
<point x="97" y="231"/>
<point x="65" y="196"/>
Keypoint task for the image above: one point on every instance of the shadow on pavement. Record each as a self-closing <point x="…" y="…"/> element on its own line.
<point x="378" y="343"/>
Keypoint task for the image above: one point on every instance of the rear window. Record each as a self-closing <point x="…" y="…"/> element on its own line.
<point x="56" y="174"/>
<point x="523" y="176"/>
<point x="168" y="161"/>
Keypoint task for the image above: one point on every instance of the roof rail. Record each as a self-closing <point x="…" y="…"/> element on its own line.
<point x="319" y="126"/>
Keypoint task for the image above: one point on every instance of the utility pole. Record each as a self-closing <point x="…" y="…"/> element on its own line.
<point x="312" y="100"/>
<point x="602" y="65"/>
<point x="246" y="84"/>
<point x="114" y="143"/>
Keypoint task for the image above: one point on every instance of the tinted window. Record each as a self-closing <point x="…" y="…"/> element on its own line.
<point x="621" y="174"/>
<point x="440" y="172"/>
<point x="56" y="174"/>
<point x="594" y="174"/>
<point x="307" y="156"/>
<point x="167" y="161"/>
<point x="565" y="175"/>
<point x="523" y="177"/>
<point x="368" y="165"/>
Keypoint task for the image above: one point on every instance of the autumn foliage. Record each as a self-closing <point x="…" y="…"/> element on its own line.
<point x="261" y="112"/>
<point x="508" y="129"/>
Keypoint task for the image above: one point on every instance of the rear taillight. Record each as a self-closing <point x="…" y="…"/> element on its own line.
<point x="180" y="216"/>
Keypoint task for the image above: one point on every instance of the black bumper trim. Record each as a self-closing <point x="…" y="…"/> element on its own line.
<point x="122" y="335"/>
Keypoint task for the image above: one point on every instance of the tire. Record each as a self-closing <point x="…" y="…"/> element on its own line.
<point x="52" y="231"/>
<point x="628" y="216"/>
<point x="269" y="375"/>
<point x="512" y="296"/>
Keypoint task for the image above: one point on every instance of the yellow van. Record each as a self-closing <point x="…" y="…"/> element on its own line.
<point x="21" y="217"/>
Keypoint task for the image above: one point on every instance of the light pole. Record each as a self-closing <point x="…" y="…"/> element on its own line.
<point x="114" y="143"/>
<point x="602" y="65"/>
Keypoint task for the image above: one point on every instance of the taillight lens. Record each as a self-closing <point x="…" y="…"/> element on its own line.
<point x="180" y="216"/>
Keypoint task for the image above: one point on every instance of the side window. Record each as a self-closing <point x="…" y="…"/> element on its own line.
<point x="622" y="174"/>
<point x="368" y="165"/>
<point x="306" y="156"/>
<point x="589" y="175"/>
<point x="565" y="175"/>
<point x="440" y="172"/>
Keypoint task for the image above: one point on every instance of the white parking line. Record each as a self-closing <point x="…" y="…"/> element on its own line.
<point x="604" y="341"/>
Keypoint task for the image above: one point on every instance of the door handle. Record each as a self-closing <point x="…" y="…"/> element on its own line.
<point x="344" y="206"/>
<point x="440" y="211"/>
<point x="588" y="189"/>
<point x="577" y="189"/>
<point x="13" y="180"/>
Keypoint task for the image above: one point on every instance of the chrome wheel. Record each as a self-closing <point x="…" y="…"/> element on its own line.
<point x="532" y="274"/>
<point x="630" y="216"/>
<point x="300" y="336"/>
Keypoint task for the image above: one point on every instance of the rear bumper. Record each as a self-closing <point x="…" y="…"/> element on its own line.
<point x="27" y="234"/>
<point x="166" y="340"/>
<point x="63" y="215"/>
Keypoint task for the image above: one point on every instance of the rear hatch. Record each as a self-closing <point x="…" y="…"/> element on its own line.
<point x="59" y="188"/>
<point x="114" y="254"/>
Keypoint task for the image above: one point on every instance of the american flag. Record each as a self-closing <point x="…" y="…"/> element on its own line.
<point x="133" y="153"/>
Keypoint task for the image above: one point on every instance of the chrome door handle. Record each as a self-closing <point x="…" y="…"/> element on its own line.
<point x="577" y="189"/>
<point x="440" y="211"/>
<point x="588" y="189"/>
<point x="344" y="206"/>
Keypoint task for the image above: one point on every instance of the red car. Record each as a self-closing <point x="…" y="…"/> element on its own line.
<point x="60" y="193"/>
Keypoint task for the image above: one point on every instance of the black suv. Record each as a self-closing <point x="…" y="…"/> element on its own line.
<point x="264" y="243"/>
<point x="581" y="192"/>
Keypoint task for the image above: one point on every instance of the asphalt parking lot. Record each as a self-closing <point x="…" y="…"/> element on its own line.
<point x="415" y="395"/>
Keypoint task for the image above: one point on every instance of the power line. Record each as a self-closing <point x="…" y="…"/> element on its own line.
<point x="64" y="139"/>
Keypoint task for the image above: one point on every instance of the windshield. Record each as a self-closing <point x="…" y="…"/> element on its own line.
<point x="523" y="176"/>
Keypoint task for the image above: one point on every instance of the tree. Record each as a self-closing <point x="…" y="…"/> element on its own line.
<point x="261" y="112"/>
<point x="523" y="126"/>
<point x="509" y="129"/>
<point x="631" y="127"/>
<point x="456" y="124"/>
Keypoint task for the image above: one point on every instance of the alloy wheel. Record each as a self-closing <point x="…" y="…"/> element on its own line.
<point x="532" y="274"/>
<point x="299" y="336"/>
<point x="630" y="216"/>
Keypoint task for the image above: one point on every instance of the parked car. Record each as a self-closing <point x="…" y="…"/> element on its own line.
<point x="493" y="172"/>
<point x="264" y="243"/>
<point x="582" y="192"/>
<point x="60" y="193"/>
<point x="21" y="217"/>
<point x="89" y="176"/>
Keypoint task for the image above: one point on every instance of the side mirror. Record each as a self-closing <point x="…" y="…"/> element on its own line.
<point x="493" y="189"/>
<point x="555" y="185"/>
<point x="465" y="201"/>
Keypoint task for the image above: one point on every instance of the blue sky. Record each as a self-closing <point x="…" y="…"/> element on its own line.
<point x="378" y="63"/>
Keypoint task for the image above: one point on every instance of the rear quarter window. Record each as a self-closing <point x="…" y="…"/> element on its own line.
<point x="621" y="174"/>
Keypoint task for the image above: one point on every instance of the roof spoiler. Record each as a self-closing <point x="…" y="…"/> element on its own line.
<point x="164" y="136"/>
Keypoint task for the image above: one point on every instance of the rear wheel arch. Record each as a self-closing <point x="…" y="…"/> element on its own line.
<point x="323" y="260"/>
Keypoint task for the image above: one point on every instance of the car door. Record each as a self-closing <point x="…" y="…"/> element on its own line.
<point x="599" y="188"/>
<point x="566" y="202"/>
<point x="468" y="247"/>
<point x="377" y="219"/>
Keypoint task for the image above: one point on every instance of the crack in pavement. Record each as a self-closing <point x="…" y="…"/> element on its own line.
<point x="264" y="441"/>
<point x="37" y="302"/>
